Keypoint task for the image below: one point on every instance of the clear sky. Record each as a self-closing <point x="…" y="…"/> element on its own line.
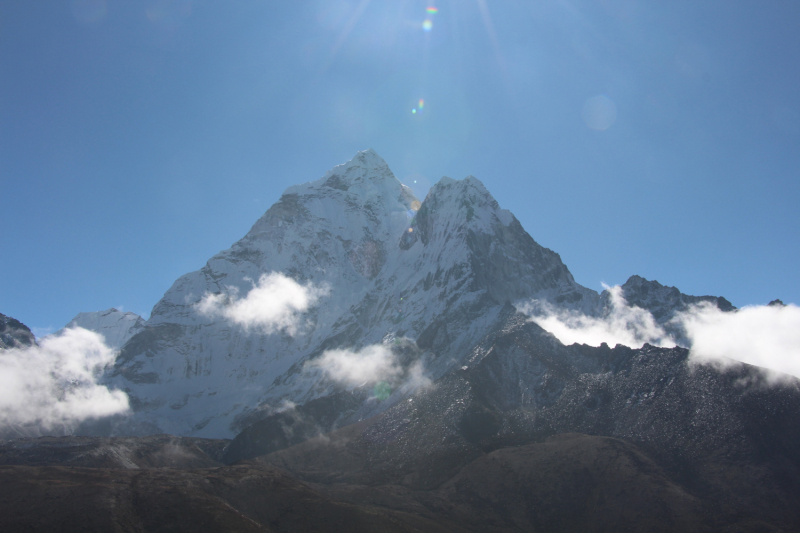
<point x="140" y="137"/>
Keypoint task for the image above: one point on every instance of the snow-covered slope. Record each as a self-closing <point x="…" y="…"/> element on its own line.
<point x="437" y="272"/>
<point x="115" y="326"/>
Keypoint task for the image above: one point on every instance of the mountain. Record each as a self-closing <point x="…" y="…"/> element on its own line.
<point x="437" y="272"/>
<point x="663" y="302"/>
<point x="115" y="326"/>
<point x="14" y="334"/>
<point x="405" y="391"/>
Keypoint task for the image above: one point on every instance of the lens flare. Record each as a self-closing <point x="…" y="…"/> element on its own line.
<point x="432" y="10"/>
<point x="419" y="108"/>
<point x="599" y="112"/>
<point x="427" y="25"/>
<point x="382" y="390"/>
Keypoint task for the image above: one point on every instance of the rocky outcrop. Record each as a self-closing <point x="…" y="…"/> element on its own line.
<point x="664" y="302"/>
<point x="14" y="334"/>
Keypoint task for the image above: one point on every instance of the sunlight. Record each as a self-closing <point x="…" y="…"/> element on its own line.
<point x="487" y="21"/>
<point x="599" y="112"/>
<point x="351" y="23"/>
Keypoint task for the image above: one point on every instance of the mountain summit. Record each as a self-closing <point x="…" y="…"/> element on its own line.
<point x="436" y="273"/>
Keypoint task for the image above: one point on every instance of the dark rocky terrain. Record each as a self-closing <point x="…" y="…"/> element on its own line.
<point x="664" y="302"/>
<point x="719" y="439"/>
<point x="531" y="435"/>
<point x="154" y="451"/>
<point x="14" y="334"/>
<point x="567" y="482"/>
<point x="234" y="498"/>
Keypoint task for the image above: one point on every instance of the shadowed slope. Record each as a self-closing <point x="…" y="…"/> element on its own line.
<point x="243" y="498"/>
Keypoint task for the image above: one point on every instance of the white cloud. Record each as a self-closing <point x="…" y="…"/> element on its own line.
<point x="370" y="364"/>
<point x="275" y="303"/>
<point x="55" y="386"/>
<point x="624" y="324"/>
<point x="765" y="336"/>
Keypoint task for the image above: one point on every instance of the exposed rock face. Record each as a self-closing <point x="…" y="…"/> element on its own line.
<point x="14" y="334"/>
<point x="664" y="302"/>
<point x="115" y="326"/>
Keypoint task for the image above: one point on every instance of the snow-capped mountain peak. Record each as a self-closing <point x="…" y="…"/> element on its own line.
<point x="115" y="326"/>
<point x="381" y="265"/>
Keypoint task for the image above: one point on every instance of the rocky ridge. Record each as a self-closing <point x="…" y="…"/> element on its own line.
<point x="14" y="334"/>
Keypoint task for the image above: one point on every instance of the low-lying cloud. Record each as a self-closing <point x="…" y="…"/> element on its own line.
<point x="275" y="303"/>
<point x="53" y="387"/>
<point x="764" y="336"/>
<point x="623" y="324"/>
<point x="368" y="365"/>
<point x="371" y="365"/>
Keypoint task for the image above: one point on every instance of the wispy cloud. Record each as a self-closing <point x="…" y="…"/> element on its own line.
<point x="55" y="386"/>
<point x="765" y="336"/>
<point x="275" y="303"/>
<point x="622" y="324"/>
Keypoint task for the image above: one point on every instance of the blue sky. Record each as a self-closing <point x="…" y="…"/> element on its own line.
<point x="139" y="138"/>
